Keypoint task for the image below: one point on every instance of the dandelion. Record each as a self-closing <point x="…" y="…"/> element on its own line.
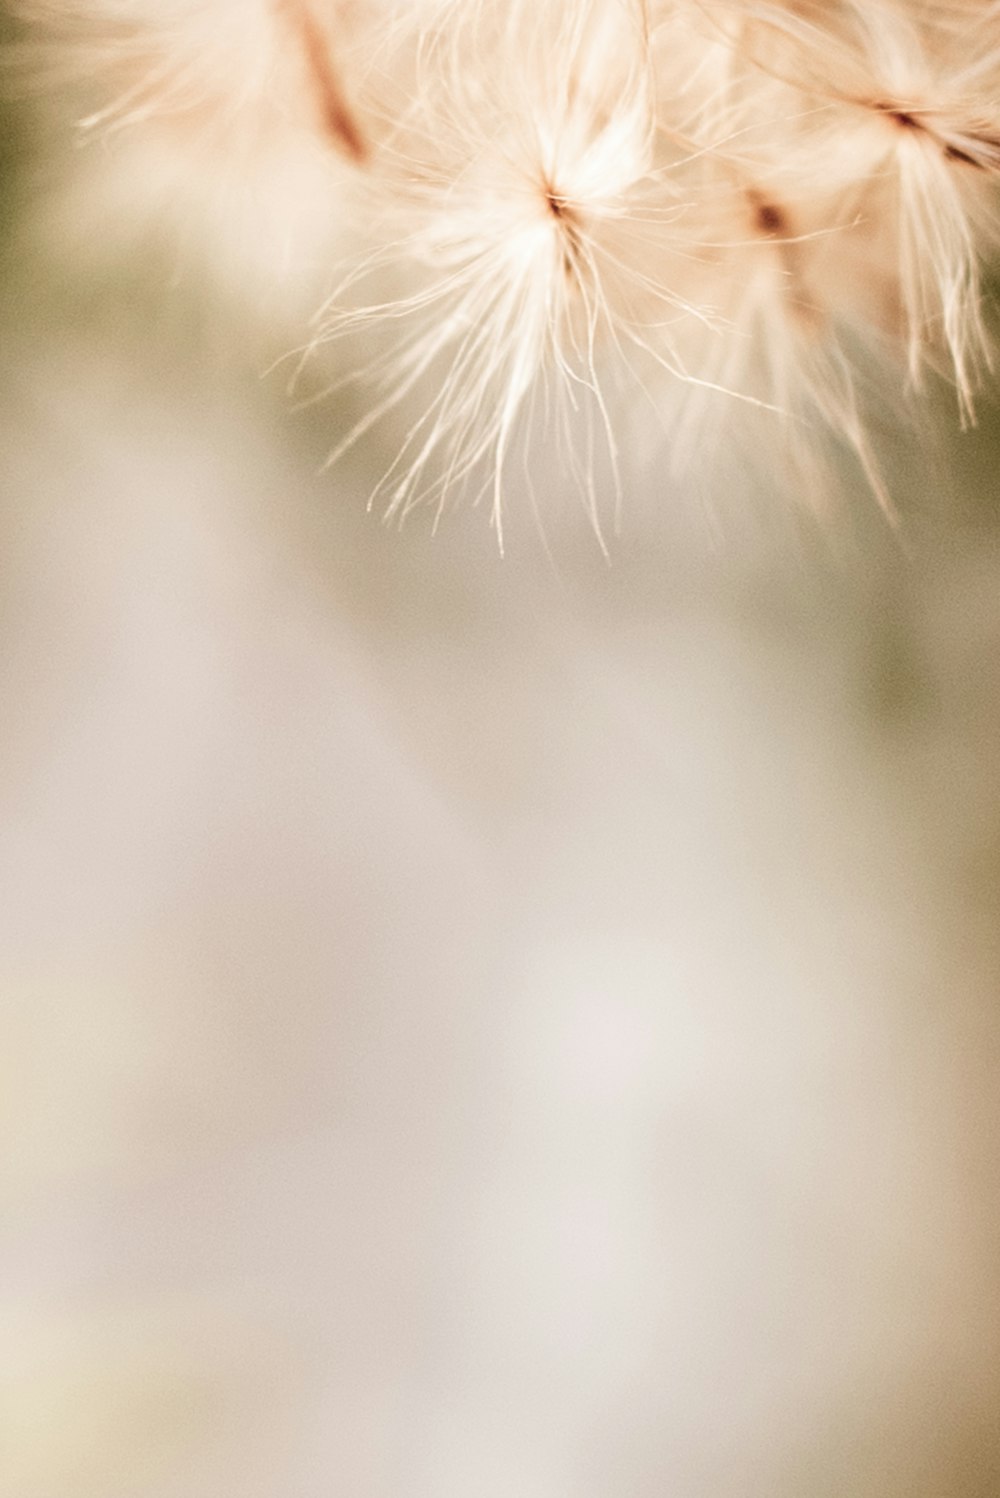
<point x="551" y="213"/>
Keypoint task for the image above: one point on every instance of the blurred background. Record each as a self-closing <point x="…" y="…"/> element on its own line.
<point x="520" y="1027"/>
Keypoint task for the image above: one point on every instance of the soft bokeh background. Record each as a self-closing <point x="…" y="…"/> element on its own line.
<point x="521" y="1028"/>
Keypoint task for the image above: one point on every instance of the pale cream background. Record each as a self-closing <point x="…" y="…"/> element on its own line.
<point x="479" y="1028"/>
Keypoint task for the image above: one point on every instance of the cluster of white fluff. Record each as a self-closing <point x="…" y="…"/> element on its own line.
<point x="563" y="210"/>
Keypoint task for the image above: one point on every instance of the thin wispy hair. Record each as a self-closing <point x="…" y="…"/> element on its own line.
<point x="550" y="212"/>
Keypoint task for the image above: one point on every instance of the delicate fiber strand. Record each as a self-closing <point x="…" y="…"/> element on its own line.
<point x="536" y="211"/>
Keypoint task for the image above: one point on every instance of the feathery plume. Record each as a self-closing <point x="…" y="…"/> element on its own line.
<point x="555" y="211"/>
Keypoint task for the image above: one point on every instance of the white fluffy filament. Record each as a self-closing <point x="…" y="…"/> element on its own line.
<point x="706" y="203"/>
